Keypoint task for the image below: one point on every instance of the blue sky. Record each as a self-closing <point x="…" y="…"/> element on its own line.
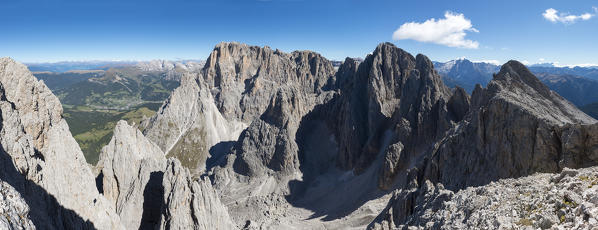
<point x="60" y="30"/>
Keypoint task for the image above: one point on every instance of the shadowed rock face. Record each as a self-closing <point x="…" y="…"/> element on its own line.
<point x="391" y="92"/>
<point x="515" y="127"/>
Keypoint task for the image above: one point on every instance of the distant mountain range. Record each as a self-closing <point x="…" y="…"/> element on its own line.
<point x="577" y="84"/>
<point x="465" y="73"/>
<point x="77" y="65"/>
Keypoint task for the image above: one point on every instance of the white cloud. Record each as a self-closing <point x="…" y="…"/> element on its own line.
<point x="554" y="16"/>
<point x="525" y="62"/>
<point x="579" y="65"/>
<point x="494" y="62"/>
<point x="542" y="59"/>
<point x="449" y="31"/>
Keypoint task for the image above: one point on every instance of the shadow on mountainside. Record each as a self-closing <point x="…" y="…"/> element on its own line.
<point x="44" y="210"/>
<point x="218" y="154"/>
<point x="326" y="190"/>
<point x="153" y="194"/>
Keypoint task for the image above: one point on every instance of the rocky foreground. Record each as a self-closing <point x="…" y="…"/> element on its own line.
<point x="262" y="139"/>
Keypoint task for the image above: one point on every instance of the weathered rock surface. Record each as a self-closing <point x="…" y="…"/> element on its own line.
<point x="233" y="89"/>
<point x="131" y="174"/>
<point x="42" y="161"/>
<point x="191" y="204"/>
<point x="391" y="98"/>
<point x="515" y="127"/>
<point x="189" y="124"/>
<point x="148" y="191"/>
<point x="14" y="211"/>
<point x="565" y="200"/>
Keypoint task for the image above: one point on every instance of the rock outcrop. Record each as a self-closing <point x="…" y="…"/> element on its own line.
<point x="390" y="99"/>
<point x="150" y="192"/>
<point x="14" y="210"/>
<point x="191" y="204"/>
<point x="565" y="200"/>
<point x="42" y="161"/>
<point x="234" y="88"/>
<point x="132" y="169"/>
<point x="515" y="127"/>
<point x="189" y="124"/>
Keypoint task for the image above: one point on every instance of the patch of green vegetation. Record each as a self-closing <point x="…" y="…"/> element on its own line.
<point x="93" y="128"/>
<point x="117" y="89"/>
<point x="191" y="149"/>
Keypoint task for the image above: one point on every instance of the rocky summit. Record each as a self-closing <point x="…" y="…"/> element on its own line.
<point x="262" y="139"/>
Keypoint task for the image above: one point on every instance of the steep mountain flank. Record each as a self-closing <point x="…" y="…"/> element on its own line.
<point x="149" y="191"/>
<point x="515" y="127"/>
<point x="131" y="177"/>
<point x="233" y="89"/>
<point x="190" y="203"/>
<point x="42" y="161"/>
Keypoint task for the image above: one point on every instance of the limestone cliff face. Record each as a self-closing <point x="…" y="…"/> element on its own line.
<point x="42" y="161"/>
<point x="234" y="89"/>
<point x="191" y="204"/>
<point x="14" y="210"/>
<point x="131" y="174"/>
<point x="243" y="78"/>
<point x="151" y="192"/>
<point x="391" y="98"/>
<point x="516" y="127"/>
<point x="189" y="124"/>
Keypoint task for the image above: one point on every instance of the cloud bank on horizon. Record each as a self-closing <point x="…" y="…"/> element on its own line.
<point x="449" y="31"/>
<point x="553" y="15"/>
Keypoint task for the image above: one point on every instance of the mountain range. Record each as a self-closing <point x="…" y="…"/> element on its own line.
<point x="262" y="139"/>
<point x="576" y="84"/>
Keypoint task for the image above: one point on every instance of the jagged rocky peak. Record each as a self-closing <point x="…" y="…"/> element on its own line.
<point x="390" y="91"/>
<point x="242" y="77"/>
<point x="234" y="88"/>
<point x="190" y="203"/>
<point x="41" y="160"/>
<point x="151" y="192"/>
<point x="37" y="105"/>
<point x="132" y="169"/>
<point x="516" y="84"/>
<point x="514" y="128"/>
